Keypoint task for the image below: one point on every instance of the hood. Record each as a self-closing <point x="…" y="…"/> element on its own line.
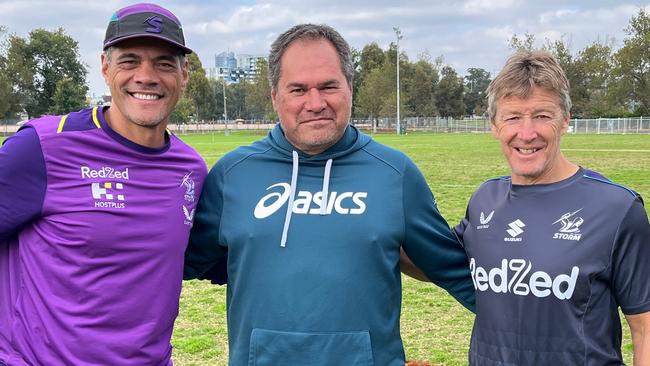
<point x="352" y="140"/>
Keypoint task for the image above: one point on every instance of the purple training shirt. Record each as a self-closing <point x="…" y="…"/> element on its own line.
<point x="91" y="251"/>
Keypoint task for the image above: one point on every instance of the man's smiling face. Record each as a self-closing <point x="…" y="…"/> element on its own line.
<point x="146" y="78"/>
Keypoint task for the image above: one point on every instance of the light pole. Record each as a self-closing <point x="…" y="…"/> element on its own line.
<point x="225" y="110"/>
<point x="398" y="34"/>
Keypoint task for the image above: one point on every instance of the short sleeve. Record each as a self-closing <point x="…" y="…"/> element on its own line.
<point x="631" y="261"/>
<point x="23" y="181"/>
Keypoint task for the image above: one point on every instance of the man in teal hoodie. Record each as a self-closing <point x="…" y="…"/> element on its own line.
<point x="311" y="220"/>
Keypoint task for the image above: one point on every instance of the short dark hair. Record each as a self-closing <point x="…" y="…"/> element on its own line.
<point x="312" y="32"/>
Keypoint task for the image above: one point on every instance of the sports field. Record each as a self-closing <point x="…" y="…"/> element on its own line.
<point x="434" y="327"/>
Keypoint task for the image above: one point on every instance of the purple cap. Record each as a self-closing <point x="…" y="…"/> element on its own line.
<point x="145" y="20"/>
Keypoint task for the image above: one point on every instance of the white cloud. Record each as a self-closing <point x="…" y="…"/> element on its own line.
<point x="476" y="7"/>
<point x="247" y="19"/>
<point x="501" y="34"/>
<point x="558" y="15"/>
<point x="472" y="33"/>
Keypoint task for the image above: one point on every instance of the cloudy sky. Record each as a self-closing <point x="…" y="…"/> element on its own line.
<point x="470" y="33"/>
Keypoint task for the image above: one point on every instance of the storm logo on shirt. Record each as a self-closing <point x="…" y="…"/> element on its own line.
<point x="305" y="202"/>
<point x="512" y="277"/>
<point x="189" y="184"/>
<point x="570" y="229"/>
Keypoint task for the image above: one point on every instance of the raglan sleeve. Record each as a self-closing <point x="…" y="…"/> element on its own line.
<point x="631" y="261"/>
<point x="23" y="181"/>
<point x="430" y="243"/>
<point x="459" y="229"/>
<point x="205" y="257"/>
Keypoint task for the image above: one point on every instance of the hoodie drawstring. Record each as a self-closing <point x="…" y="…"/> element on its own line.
<point x="326" y="186"/>
<point x="292" y="194"/>
<point x="287" y="217"/>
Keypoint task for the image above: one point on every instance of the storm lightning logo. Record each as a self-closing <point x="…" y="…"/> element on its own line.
<point x="570" y="229"/>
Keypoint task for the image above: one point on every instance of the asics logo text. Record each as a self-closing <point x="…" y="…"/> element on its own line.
<point x="305" y="202"/>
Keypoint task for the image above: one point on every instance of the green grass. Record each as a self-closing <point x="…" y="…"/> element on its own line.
<point x="434" y="327"/>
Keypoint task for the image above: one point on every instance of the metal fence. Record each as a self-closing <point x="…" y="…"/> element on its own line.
<point x="611" y="125"/>
<point x="429" y="124"/>
<point x="633" y="125"/>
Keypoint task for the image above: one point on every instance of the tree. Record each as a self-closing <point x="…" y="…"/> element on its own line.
<point x="199" y="91"/>
<point x="7" y="100"/>
<point x="183" y="111"/>
<point x="476" y="83"/>
<point x="449" y="94"/>
<point x="36" y="65"/>
<point x="575" y="73"/>
<point x="422" y="87"/>
<point x="594" y="63"/>
<point x="68" y="97"/>
<point x="258" y="94"/>
<point x="527" y="43"/>
<point x="632" y="71"/>
<point x="236" y="99"/>
<point x="377" y="92"/>
<point x="371" y="58"/>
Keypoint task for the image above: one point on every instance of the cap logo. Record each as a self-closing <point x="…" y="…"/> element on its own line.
<point x="155" y="24"/>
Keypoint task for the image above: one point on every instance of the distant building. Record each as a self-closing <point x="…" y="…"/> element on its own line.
<point x="97" y="100"/>
<point x="249" y="64"/>
<point x="233" y="68"/>
<point x="225" y="60"/>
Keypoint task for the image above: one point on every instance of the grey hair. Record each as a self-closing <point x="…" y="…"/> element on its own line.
<point x="108" y="52"/>
<point x="525" y="70"/>
<point x="311" y="32"/>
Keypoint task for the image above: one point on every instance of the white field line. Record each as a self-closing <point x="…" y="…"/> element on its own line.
<point x="610" y="150"/>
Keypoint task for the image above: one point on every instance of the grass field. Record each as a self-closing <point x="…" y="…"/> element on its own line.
<point x="434" y="327"/>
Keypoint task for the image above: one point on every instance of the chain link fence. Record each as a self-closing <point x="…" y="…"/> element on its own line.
<point x="632" y="125"/>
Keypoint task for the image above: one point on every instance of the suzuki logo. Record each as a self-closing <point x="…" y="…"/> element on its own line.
<point x="515" y="230"/>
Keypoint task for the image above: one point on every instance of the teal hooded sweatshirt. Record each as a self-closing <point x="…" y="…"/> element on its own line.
<point x="320" y="284"/>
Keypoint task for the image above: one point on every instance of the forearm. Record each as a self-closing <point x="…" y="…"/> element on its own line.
<point x="409" y="268"/>
<point x="642" y="349"/>
<point x="640" y="330"/>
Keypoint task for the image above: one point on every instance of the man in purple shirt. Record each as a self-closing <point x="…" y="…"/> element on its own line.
<point x="95" y="212"/>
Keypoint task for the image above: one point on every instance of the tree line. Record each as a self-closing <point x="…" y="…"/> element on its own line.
<point x="42" y="74"/>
